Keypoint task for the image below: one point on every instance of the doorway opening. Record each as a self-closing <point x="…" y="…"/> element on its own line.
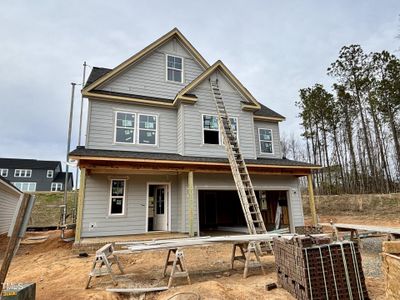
<point x="157" y="209"/>
<point x="220" y="211"/>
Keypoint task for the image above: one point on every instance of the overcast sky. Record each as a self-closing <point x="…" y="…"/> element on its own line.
<point x="274" y="48"/>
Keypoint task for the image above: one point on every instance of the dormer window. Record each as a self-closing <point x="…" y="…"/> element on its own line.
<point x="174" y="68"/>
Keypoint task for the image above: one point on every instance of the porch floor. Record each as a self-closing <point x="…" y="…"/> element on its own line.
<point x="91" y="244"/>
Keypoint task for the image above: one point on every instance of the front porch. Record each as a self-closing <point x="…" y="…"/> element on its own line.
<point x="186" y="180"/>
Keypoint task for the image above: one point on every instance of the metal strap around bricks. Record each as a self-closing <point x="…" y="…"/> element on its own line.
<point x="357" y="272"/>
<point x="323" y="273"/>
<point x="346" y="272"/>
<point x="309" y="275"/>
<point x="333" y="272"/>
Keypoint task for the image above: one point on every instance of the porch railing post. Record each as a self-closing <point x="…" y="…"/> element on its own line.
<point x="311" y="200"/>
<point x="190" y="202"/>
<point x="79" y="213"/>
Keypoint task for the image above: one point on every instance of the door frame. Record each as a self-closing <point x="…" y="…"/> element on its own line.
<point x="168" y="186"/>
<point x="284" y="188"/>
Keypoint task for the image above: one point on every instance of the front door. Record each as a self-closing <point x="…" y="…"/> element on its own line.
<point x="160" y="209"/>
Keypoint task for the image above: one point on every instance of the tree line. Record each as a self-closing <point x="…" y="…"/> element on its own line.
<point x="352" y="130"/>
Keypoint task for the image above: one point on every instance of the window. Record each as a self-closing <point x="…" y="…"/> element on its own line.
<point x="22" y="173"/>
<point x="125" y="128"/>
<point x="211" y="129"/>
<point x="56" y="186"/>
<point x="50" y="174"/>
<point x="147" y="129"/>
<point x="174" y="68"/>
<point x="4" y="172"/>
<point x="117" y="198"/>
<point x="25" y="186"/>
<point x="265" y="136"/>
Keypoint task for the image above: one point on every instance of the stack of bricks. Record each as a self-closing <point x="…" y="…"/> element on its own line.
<point x="308" y="229"/>
<point x="315" y="268"/>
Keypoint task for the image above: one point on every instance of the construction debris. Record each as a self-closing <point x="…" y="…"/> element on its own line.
<point x="314" y="268"/>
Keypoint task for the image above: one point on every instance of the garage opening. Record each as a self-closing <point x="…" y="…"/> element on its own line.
<point x="220" y="211"/>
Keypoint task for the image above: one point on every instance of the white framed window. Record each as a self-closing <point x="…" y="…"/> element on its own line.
<point x="211" y="129"/>
<point x="25" y="186"/>
<point x="124" y="127"/>
<point x="50" y="174"/>
<point x="4" y="172"/>
<point x="56" y="186"/>
<point x="266" y="142"/>
<point x="174" y="66"/>
<point x="23" y="173"/>
<point x="147" y="129"/>
<point x="117" y="197"/>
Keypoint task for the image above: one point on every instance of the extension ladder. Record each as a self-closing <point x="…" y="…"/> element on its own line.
<point x="244" y="186"/>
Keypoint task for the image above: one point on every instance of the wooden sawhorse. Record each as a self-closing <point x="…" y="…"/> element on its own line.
<point x="178" y="260"/>
<point x="105" y="257"/>
<point x="246" y="250"/>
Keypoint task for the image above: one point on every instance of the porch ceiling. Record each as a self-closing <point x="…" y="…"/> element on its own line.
<point x="124" y="166"/>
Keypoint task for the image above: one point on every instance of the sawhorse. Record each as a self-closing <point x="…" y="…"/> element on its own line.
<point x="178" y="260"/>
<point x="105" y="257"/>
<point x="246" y="250"/>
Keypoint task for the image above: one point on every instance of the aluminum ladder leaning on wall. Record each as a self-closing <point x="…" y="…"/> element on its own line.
<point x="244" y="186"/>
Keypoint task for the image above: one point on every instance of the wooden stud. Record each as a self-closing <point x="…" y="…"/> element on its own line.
<point x="79" y="212"/>
<point x="311" y="200"/>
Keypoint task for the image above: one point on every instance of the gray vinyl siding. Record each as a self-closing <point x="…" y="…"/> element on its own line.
<point x="9" y="200"/>
<point x="260" y="182"/>
<point x="97" y="200"/>
<point x="193" y="132"/>
<point x="148" y="76"/>
<point x="101" y="127"/>
<point x="180" y="130"/>
<point x="274" y="126"/>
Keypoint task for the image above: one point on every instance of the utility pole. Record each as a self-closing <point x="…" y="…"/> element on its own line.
<point x="71" y="114"/>
<point x="79" y="141"/>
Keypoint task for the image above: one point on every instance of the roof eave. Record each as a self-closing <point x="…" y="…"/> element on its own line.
<point x="185" y="162"/>
<point x="265" y="118"/>
<point x="147" y="102"/>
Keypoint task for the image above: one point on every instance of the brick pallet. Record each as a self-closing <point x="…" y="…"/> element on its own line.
<point x="314" y="268"/>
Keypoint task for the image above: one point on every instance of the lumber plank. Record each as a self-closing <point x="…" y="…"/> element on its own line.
<point x="138" y="290"/>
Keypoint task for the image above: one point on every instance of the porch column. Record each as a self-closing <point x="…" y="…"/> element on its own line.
<point x="190" y="202"/>
<point x="311" y="200"/>
<point x="79" y="211"/>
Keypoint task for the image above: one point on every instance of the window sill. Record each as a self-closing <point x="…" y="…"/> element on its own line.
<point x="116" y="216"/>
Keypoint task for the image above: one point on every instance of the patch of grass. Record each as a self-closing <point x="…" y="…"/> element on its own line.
<point x="47" y="210"/>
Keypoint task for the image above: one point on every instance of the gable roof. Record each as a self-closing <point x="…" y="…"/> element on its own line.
<point x="18" y="163"/>
<point x="174" y="33"/>
<point x="219" y="66"/>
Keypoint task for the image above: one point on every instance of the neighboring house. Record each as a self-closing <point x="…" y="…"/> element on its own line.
<point x="9" y="201"/>
<point x="30" y="175"/>
<point x="152" y="136"/>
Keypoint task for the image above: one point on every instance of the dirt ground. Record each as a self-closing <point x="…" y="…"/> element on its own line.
<point x="61" y="275"/>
